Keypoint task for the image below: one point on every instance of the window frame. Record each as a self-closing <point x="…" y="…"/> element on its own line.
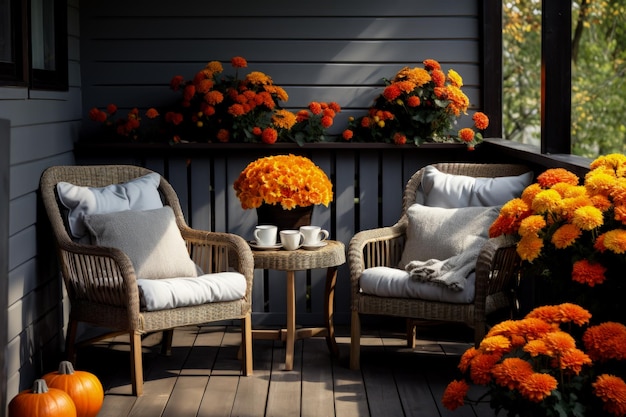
<point x="19" y="72"/>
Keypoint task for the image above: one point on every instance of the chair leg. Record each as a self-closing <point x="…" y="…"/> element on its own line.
<point x="246" y="345"/>
<point x="136" y="365"/>
<point x="166" y="342"/>
<point x="70" y="341"/>
<point x="355" y="341"/>
<point x="410" y="333"/>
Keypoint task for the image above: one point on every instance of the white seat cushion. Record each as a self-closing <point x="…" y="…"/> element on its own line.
<point x="160" y="294"/>
<point x="392" y="282"/>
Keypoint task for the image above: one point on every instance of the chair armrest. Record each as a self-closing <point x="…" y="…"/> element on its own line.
<point x="99" y="274"/>
<point x="375" y="247"/>
<point x="218" y="252"/>
<point x="497" y="268"/>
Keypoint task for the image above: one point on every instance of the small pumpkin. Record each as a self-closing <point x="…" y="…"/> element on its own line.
<point x="83" y="387"/>
<point x="41" y="401"/>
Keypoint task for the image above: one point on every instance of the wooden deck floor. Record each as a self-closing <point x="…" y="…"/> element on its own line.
<point x="201" y="378"/>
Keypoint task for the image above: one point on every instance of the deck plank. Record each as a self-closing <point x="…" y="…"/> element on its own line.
<point x="317" y="380"/>
<point x="202" y="377"/>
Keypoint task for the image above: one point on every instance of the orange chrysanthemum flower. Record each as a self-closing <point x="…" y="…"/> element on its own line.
<point x="454" y="394"/>
<point x="531" y="225"/>
<point x="537" y="386"/>
<point x="511" y="372"/>
<point x="565" y="236"/>
<point x="269" y="135"/>
<point x="413" y="101"/>
<point x="589" y="273"/>
<point x="347" y="134"/>
<point x="466" y="134"/>
<point x="574" y="360"/>
<point x="555" y="175"/>
<point x="529" y="248"/>
<point x="481" y="121"/>
<point x="615" y="241"/>
<point x="606" y="341"/>
<point x="223" y="135"/>
<point x="399" y="138"/>
<point x="238" y="62"/>
<point x="612" y="391"/>
<point x="495" y="344"/>
<point x="480" y="370"/>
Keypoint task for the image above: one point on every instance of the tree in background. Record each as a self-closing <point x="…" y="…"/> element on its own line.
<point x="598" y="69"/>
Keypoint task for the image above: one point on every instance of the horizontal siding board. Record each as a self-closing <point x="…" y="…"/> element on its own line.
<point x="64" y="106"/>
<point x="281" y="8"/>
<point x="465" y="50"/>
<point x="159" y="74"/>
<point x="235" y="27"/>
<point x="27" y="143"/>
<point x="22" y="212"/>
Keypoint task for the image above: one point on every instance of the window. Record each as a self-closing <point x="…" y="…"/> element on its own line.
<point x="33" y="44"/>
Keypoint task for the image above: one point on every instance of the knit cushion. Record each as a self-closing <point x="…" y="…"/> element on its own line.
<point x="138" y="194"/>
<point x="439" y="189"/>
<point x="150" y="238"/>
<point x="441" y="233"/>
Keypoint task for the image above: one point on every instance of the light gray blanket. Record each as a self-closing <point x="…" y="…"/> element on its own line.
<point x="451" y="272"/>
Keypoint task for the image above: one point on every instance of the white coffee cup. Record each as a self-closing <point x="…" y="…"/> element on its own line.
<point x="265" y="235"/>
<point x="313" y="235"/>
<point x="291" y="239"/>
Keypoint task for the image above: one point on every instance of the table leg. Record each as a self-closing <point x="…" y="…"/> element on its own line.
<point x="329" y="307"/>
<point x="291" y="320"/>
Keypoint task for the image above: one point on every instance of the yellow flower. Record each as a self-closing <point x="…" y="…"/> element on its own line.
<point x="587" y="218"/>
<point x="546" y="201"/>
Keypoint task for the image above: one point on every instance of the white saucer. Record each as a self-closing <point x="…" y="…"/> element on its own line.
<point x="253" y="245"/>
<point x="315" y="246"/>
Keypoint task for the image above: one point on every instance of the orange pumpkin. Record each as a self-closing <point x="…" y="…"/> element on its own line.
<point x="41" y="401"/>
<point x="83" y="387"/>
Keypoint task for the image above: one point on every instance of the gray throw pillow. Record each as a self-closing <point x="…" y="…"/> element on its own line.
<point x="150" y="238"/>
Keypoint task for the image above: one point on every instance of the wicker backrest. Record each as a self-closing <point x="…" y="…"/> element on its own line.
<point x="96" y="176"/>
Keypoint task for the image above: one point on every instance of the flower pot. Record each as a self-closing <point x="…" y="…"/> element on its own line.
<point x="284" y="219"/>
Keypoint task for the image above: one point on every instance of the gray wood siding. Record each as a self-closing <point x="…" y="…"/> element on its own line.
<point x="43" y="126"/>
<point x="326" y="51"/>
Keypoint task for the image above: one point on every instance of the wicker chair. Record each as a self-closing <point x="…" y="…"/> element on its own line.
<point x="496" y="269"/>
<point x="116" y="306"/>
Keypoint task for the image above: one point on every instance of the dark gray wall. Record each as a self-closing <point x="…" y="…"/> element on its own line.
<point x="324" y="51"/>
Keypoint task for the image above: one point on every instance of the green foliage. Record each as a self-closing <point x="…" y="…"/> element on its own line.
<point x="598" y="69"/>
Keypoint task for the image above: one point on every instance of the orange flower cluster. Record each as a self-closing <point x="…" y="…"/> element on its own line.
<point x="418" y="105"/>
<point x="124" y="126"/>
<point x="557" y="214"/>
<point x="533" y="365"/>
<point x="288" y="180"/>
<point x="311" y="123"/>
<point x="219" y="107"/>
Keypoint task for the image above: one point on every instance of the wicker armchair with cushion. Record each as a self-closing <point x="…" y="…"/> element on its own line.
<point x="131" y="264"/>
<point x="437" y="262"/>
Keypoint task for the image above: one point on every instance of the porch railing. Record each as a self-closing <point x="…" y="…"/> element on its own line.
<point x="368" y="182"/>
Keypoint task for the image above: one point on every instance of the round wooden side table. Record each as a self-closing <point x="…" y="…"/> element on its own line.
<point x="330" y="256"/>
